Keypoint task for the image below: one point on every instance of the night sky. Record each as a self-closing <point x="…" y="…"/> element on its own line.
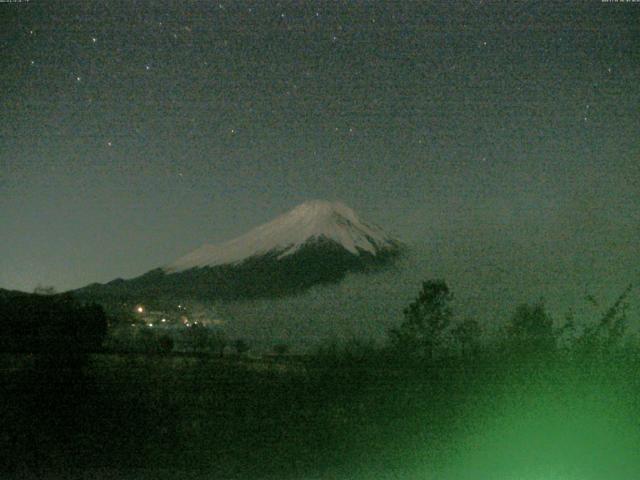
<point x="133" y="132"/>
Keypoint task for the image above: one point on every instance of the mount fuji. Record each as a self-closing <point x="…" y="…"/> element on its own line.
<point x="316" y="242"/>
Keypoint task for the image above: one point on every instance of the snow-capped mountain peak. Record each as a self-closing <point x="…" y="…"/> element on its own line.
<point x="312" y="220"/>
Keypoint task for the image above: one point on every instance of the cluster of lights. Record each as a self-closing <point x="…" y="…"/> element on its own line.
<point x="140" y="309"/>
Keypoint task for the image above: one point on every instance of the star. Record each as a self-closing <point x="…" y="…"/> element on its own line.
<point x="94" y="39"/>
<point x="33" y="62"/>
<point x="78" y="79"/>
<point x="109" y="144"/>
<point x="147" y="67"/>
<point x="30" y="32"/>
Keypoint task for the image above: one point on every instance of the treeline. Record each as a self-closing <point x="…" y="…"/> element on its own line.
<point x="197" y="339"/>
<point x="430" y="330"/>
<point x="432" y="337"/>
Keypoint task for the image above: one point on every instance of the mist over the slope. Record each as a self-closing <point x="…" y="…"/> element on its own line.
<point x="488" y="281"/>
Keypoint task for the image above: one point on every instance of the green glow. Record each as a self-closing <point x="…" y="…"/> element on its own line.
<point x="553" y="431"/>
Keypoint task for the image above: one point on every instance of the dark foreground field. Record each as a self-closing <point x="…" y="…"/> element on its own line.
<point x="153" y="416"/>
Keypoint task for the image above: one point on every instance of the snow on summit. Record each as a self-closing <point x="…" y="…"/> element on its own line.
<point x="309" y="221"/>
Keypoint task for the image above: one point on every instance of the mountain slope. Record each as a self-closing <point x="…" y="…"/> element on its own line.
<point x="310" y="222"/>
<point x="316" y="242"/>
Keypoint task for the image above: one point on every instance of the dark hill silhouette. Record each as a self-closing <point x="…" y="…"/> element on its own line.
<point x="49" y="323"/>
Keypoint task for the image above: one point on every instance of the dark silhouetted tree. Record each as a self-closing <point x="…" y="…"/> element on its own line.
<point x="217" y="341"/>
<point x="241" y="346"/>
<point x="198" y="337"/>
<point x="613" y="324"/>
<point x="425" y="321"/>
<point x="357" y="350"/>
<point x="467" y="335"/>
<point x="281" y="349"/>
<point x="44" y="290"/>
<point x="608" y="332"/>
<point x="530" y="330"/>
<point x="204" y="339"/>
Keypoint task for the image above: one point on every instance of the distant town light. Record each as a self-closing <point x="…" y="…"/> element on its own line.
<point x="164" y="320"/>
<point x="150" y="324"/>
<point x="140" y="309"/>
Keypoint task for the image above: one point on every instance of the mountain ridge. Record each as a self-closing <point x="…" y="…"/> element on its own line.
<point x="316" y="242"/>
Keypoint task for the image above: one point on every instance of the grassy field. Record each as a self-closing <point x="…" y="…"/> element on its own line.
<point x="181" y="416"/>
